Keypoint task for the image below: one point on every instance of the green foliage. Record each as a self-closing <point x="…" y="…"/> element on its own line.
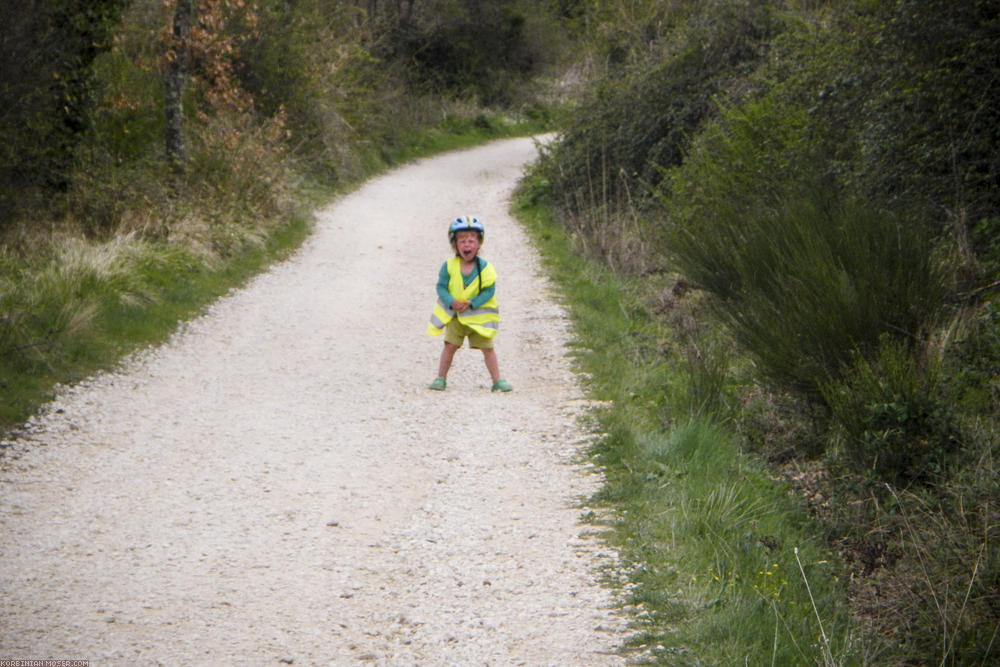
<point x="710" y="545"/>
<point x="925" y="563"/>
<point x="970" y="368"/>
<point x="356" y="87"/>
<point x="325" y="89"/>
<point x="803" y="275"/>
<point x="835" y="192"/>
<point x="476" y="47"/>
<point x="46" y="83"/>
<point x="903" y="97"/>
<point x="933" y="134"/>
<point x="302" y="61"/>
<point x="896" y="425"/>
<point x="639" y="117"/>
<point x="127" y="119"/>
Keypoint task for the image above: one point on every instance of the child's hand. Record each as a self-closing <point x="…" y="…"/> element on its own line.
<point x="460" y="306"/>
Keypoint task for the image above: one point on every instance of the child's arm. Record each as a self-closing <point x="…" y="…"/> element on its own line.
<point x="485" y="293"/>
<point x="445" y="296"/>
<point x="442" y="286"/>
<point x="483" y="296"/>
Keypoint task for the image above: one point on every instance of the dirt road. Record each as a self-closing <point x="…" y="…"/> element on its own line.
<point x="277" y="485"/>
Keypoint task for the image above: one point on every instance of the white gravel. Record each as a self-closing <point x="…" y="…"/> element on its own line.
<point x="276" y="484"/>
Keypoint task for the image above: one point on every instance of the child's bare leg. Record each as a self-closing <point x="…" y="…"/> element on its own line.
<point x="492" y="365"/>
<point x="447" y="355"/>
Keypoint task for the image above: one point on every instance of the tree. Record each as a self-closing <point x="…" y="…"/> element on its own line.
<point x="47" y="50"/>
<point x="173" y="84"/>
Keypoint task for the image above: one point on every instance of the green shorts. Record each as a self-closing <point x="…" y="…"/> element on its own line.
<point x="456" y="332"/>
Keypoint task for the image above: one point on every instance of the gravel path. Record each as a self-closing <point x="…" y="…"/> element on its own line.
<point x="277" y="485"/>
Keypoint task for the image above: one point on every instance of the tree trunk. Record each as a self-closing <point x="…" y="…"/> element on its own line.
<point x="173" y="84"/>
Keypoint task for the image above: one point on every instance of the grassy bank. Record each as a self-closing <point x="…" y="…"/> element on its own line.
<point x="722" y="563"/>
<point x="72" y="306"/>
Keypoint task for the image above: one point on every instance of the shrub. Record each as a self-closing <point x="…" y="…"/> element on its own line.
<point x="924" y="565"/>
<point x="971" y="364"/>
<point x="482" y="50"/>
<point x="639" y="118"/>
<point x="804" y="275"/>
<point x="891" y="415"/>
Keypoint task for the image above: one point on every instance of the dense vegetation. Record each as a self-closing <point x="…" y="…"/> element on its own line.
<point x="789" y="211"/>
<point x="807" y="194"/>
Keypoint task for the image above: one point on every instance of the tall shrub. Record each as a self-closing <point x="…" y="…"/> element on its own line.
<point x="308" y="60"/>
<point x="466" y="47"/>
<point x="892" y="422"/>
<point x="805" y="274"/>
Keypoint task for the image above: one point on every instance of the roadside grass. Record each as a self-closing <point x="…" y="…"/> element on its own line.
<point x="719" y="562"/>
<point x="71" y="305"/>
<point x="462" y="131"/>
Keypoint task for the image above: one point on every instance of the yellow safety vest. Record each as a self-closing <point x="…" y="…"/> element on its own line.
<point x="484" y="320"/>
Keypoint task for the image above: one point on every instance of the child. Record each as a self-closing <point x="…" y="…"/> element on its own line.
<point x="467" y="305"/>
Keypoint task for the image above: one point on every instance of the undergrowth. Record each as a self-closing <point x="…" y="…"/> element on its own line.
<point x="830" y="290"/>
<point x="723" y="564"/>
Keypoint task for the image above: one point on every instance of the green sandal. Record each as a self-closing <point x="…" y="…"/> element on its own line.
<point x="501" y="385"/>
<point x="438" y="385"/>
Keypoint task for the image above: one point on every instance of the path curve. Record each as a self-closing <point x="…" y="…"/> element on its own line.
<point x="276" y="484"/>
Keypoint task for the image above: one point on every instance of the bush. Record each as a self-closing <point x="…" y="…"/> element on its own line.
<point x="805" y="275"/>
<point x="486" y="51"/>
<point x="932" y="134"/>
<point x="893" y="420"/>
<point x="639" y="118"/>
<point x="924" y="564"/>
<point x="970" y="367"/>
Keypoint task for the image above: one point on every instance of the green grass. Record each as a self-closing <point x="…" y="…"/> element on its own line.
<point x="722" y="563"/>
<point x="78" y="307"/>
<point x="456" y="132"/>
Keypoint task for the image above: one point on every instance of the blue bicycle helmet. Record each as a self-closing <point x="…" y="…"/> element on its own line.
<point x="466" y="222"/>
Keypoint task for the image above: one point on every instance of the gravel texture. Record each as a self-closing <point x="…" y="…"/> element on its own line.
<point x="276" y="484"/>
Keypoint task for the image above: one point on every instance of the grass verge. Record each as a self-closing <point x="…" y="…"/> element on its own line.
<point x="74" y="307"/>
<point x="720" y="562"/>
<point x="455" y="132"/>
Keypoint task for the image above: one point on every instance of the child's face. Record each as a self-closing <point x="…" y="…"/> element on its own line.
<point x="467" y="244"/>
